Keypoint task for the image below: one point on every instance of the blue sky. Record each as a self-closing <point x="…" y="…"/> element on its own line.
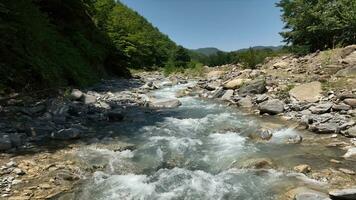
<point x="225" y="24"/>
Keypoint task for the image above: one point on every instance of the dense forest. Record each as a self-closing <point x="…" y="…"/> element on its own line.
<point x="56" y="43"/>
<point x="312" y="25"/>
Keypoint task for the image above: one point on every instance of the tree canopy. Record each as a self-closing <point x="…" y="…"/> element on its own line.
<point x="312" y="25"/>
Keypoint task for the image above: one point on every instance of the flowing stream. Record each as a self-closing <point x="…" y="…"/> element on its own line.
<point x="197" y="151"/>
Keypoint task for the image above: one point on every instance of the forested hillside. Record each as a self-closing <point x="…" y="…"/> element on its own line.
<point x="63" y="42"/>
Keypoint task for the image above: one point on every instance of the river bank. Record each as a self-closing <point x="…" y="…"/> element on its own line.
<point x="109" y="134"/>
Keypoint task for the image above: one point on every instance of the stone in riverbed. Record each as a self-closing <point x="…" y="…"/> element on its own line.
<point x="343" y="194"/>
<point x="309" y="92"/>
<point x="302" y="168"/>
<point x="89" y="99"/>
<point x="245" y="102"/>
<point x="235" y="83"/>
<point x="303" y="193"/>
<point x="76" y="94"/>
<point x="352" y="131"/>
<point x="325" y="128"/>
<point x="5" y="142"/>
<point x="217" y="93"/>
<point x="253" y="87"/>
<point x="66" y="134"/>
<point x="115" y="115"/>
<point x="341" y="107"/>
<point x="350" y="102"/>
<point x="321" y="108"/>
<point x="351" y="153"/>
<point x="272" y="107"/>
<point x="255" y="163"/>
<point x="228" y="95"/>
<point x="166" y="103"/>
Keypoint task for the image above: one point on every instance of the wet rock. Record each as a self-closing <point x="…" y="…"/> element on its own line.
<point x="261" y="98"/>
<point x="115" y="115"/>
<point x="253" y="87"/>
<point x="89" y="99"/>
<point x="303" y="193"/>
<point x="228" y="95"/>
<point x="255" y="163"/>
<point x="67" y="134"/>
<point x="343" y="194"/>
<point x="309" y="92"/>
<point x="217" y="93"/>
<point x="76" y="94"/>
<point x="347" y="171"/>
<point x="321" y="108"/>
<point x="325" y="128"/>
<point x="302" y="168"/>
<point x="350" y="102"/>
<point x="235" y="83"/>
<point x="165" y="103"/>
<point x="272" y="107"/>
<point x="245" y="102"/>
<point x="352" y="131"/>
<point x="265" y="134"/>
<point x="295" y="139"/>
<point x="5" y="142"/>
<point x="351" y="153"/>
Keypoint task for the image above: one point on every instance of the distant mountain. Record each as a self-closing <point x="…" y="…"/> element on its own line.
<point x="207" y="51"/>
<point x="274" y="48"/>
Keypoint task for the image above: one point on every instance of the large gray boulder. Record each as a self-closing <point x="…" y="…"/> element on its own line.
<point x="89" y="99"/>
<point x="343" y="194"/>
<point x="303" y="193"/>
<point x="272" y="107"/>
<point x="321" y="108"/>
<point x="253" y="87"/>
<point x="165" y="103"/>
<point x="325" y="128"/>
<point x="350" y="102"/>
<point x="309" y="92"/>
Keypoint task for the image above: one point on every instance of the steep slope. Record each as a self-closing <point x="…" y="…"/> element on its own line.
<point x="53" y="43"/>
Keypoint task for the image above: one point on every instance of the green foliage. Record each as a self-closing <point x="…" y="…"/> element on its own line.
<point x="248" y="57"/>
<point x="312" y="25"/>
<point x="51" y="44"/>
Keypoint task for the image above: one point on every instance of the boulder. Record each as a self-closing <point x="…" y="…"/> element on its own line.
<point x="272" y="107"/>
<point x="115" y="115"/>
<point x="350" y="102"/>
<point x="253" y="87"/>
<point x="351" y="153"/>
<point x="67" y="134"/>
<point x="165" y="103"/>
<point x="325" y="128"/>
<point x="245" y="102"/>
<point x="352" y="131"/>
<point x="235" y="83"/>
<point x="261" y="98"/>
<point x="76" y="94"/>
<point x="343" y="194"/>
<point x="309" y="92"/>
<point x="280" y="64"/>
<point x="217" y="93"/>
<point x="216" y="74"/>
<point x="228" y="95"/>
<point x="303" y="193"/>
<point x="5" y="142"/>
<point x="295" y="139"/>
<point x="321" y="108"/>
<point x="256" y="163"/>
<point x="347" y="72"/>
<point x="341" y="107"/>
<point x="89" y="99"/>
<point x="302" y="168"/>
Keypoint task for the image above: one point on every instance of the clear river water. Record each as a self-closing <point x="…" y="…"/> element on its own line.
<point x="197" y="151"/>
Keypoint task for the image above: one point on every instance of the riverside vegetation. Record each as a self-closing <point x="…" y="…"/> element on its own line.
<point x="258" y="123"/>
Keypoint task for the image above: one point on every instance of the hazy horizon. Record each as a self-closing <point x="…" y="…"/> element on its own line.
<point x="225" y="24"/>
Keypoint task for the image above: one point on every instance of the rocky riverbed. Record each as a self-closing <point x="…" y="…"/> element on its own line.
<point x="43" y="140"/>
